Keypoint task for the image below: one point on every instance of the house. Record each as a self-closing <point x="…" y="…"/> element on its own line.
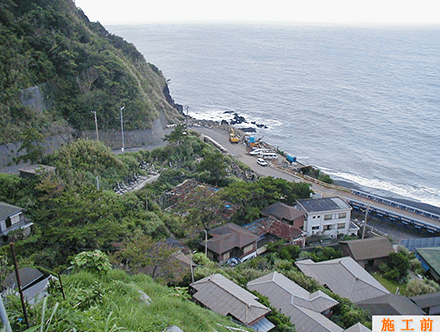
<point x="11" y="219"/>
<point x="368" y="252"/>
<point x="230" y="241"/>
<point x="286" y="213"/>
<point x="390" y="304"/>
<point x="270" y="228"/>
<point x="344" y="277"/>
<point x="429" y="303"/>
<point x="226" y="298"/>
<point x="327" y="216"/>
<point x="33" y="284"/>
<point x="430" y="258"/>
<point x="306" y="311"/>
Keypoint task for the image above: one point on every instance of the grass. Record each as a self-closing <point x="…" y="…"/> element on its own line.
<point x="390" y="285"/>
<point x="115" y="305"/>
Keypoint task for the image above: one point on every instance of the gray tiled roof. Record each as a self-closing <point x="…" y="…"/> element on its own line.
<point x="391" y="304"/>
<point x="227" y="298"/>
<point x="7" y="210"/>
<point x="323" y="204"/>
<point x="344" y="277"/>
<point x="358" y="328"/>
<point x="303" y="308"/>
<point x="427" y="300"/>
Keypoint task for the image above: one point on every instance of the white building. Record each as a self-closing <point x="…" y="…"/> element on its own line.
<point x="327" y="216"/>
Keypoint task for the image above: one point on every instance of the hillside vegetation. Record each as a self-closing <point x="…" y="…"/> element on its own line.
<point x="57" y="68"/>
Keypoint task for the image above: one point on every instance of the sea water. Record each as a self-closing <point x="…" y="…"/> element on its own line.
<point x="360" y="103"/>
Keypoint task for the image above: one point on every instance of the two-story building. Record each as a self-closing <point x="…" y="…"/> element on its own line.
<point x="327" y="216"/>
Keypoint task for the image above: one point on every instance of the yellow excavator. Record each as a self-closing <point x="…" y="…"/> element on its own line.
<point x="233" y="138"/>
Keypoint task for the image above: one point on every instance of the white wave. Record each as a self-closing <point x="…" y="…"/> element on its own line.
<point x="412" y="192"/>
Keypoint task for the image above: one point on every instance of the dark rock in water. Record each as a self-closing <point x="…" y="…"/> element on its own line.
<point x="248" y="130"/>
<point x="238" y="119"/>
<point x="228" y="112"/>
<point x="224" y="122"/>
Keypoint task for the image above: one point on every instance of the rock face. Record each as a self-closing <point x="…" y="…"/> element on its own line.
<point x="170" y="100"/>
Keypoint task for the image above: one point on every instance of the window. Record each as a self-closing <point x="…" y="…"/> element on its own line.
<point x="326" y="227"/>
<point x="341" y="225"/>
<point x="328" y="217"/>
<point x="248" y="248"/>
<point x="8" y="222"/>
<point x="342" y="215"/>
<point x="226" y="255"/>
<point x="315" y="228"/>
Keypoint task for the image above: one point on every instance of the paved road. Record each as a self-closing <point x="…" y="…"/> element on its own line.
<point x="239" y="151"/>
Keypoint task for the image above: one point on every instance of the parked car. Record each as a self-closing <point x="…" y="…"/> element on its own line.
<point x="261" y="162"/>
<point x="256" y="152"/>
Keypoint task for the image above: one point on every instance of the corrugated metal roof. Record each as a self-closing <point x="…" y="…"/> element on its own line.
<point x="431" y="256"/>
<point x="227" y="298"/>
<point x="303" y="308"/>
<point x="344" y="277"/>
<point x="323" y="204"/>
<point x="263" y="325"/>
<point x="371" y="248"/>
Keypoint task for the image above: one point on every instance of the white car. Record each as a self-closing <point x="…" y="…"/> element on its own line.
<point x="262" y="162"/>
<point x="256" y="152"/>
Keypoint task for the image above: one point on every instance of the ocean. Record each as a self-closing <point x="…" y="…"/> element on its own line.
<point x="360" y="103"/>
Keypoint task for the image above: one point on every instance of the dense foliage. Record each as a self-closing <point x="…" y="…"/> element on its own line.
<point x="63" y="68"/>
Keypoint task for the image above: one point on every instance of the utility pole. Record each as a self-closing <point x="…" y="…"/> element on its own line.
<point x="365" y="221"/>
<point x="96" y="125"/>
<point x="187" y="108"/>
<point x="20" y="290"/>
<point x="206" y="243"/>
<point x="122" y="129"/>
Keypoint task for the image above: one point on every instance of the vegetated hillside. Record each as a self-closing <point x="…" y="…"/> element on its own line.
<point x="64" y="67"/>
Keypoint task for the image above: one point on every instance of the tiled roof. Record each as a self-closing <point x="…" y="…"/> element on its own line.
<point x="344" y="277"/>
<point x="371" y="248"/>
<point x="303" y="308"/>
<point x="358" y="328"/>
<point x="275" y="227"/>
<point x="323" y="204"/>
<point x="7" y="210"/>
<point x="427" y="300"/>
<point x="390" y="304"/>
<point x="283" y="211"/>
<point x="228" y="237"/>
<point x="227" y="298"/>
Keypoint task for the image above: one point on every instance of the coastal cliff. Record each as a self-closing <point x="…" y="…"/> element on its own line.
<point x="60" y="69"/>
